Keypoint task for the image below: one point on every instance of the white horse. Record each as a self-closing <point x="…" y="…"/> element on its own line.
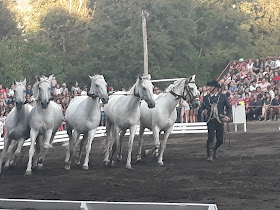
<point x="122" y="113"/>
<point x="83" y="117"/>
<point x="17" y="127"/>
<point x="163" y="116"/>
<point x="45" y="119"/>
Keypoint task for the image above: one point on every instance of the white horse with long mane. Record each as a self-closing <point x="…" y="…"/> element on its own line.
<point x="17" y="127"/>
<point x="45" y="119"/>
<point x="122" y="113"/>
<point x="163" y="116"/>
<point x="83" y="117"/>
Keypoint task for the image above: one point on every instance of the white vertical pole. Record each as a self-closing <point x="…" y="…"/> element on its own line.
<point x="145" y="42"/>
<point x="235" y="127"/>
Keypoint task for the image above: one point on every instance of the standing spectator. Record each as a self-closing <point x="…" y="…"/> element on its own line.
<point x="275" y="108"/>
<point x="29" y="90"/>
<point x="75" y="87"/>
<point x="111" y="90"/>
<point x="53" y="83"/>
<point x="56" y="90"/>
<point x="84" y="92"/>
<point x="102" y="118"/>
<point x="185" y="111"/>
<point x="64" y="88"/>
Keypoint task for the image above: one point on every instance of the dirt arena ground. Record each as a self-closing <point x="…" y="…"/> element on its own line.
<point x="246" y="176"/>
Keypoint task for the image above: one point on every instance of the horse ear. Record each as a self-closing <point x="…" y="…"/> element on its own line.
<point x="149" y="76"/>
<point x="140" y="77"/>
<point x="35" y="90"/>
<point x="24" y="82"/>
<point x="192" y="79"/>
<point x="90" y="76"/>
<point x="38" y="78"/>
<point x="14" y="82"/>
<point x="50" y="78"/>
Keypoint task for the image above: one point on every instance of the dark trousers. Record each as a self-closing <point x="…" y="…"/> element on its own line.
<point x="214" y="128"/>
<point x="254" y="113"/>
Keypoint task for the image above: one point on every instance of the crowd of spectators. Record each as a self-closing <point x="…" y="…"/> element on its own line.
<point x="254" y="83"/>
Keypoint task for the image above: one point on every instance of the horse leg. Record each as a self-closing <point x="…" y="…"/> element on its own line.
<point x="88" y="147"/>
<point x="10" y="153"/>
<point x="157" y="143"/>
<point x="39" y="142"/>
<point x="33" y="135"/>
<point x="163" y="145"/>
<point x="141" y="132"/>
<point x="72" y="144"/>
<point x="115" y="141"/>
<point x="7" y="142"/>
<point x="18" y="151"/>
<point x="42" y="157"/>
<point x="108" y="141"/>
<point x="66" y="144"/>
<point x="119" y="156"/>
<point x="47" y="143"/>
<point x="130" y="144"/>
<point x="82" y="142"/>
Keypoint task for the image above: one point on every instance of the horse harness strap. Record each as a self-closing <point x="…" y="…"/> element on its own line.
<point x="214" y="114"/>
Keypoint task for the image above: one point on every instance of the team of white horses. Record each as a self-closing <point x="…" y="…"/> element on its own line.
<point x="123" y="111"/>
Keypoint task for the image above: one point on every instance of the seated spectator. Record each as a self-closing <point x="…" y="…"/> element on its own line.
<point x="276" y="76"/>
<point x="255" y="108"/>
<point x="263" y="85"/>
<point x="240" y="64"/>
<point x="275" y="108"/>
<point x="259" y="93"/>
<point x="29" y="90"/>
<point x="271" y="92"/>
<point x="2" y="107"/>
<point x="156" y="91"/>
<point x="235" y="99"/>
<point x="257" y="66"/>
<point x="260" y="74"/>
<point x="266" y="104"/>
<point x="247" y="103"/>
<point x="270" y="63"/>
<point x="243" y="73"/>
<point x="253" y="86"/>
<point x="2" y="90"/>
<point x="232" y="87"/>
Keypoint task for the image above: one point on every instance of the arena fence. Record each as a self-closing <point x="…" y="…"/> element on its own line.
<point x="179" y="128"/>
<point x="96" y="205"/>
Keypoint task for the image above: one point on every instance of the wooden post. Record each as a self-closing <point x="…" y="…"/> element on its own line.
<point x="145" y="42"/>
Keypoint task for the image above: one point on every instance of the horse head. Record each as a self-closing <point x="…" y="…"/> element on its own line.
<point x="186" y="89"/>
<point x="144" y="89"/>
<point x="42" y="90"/>
<point x="191" y="92"/>
<point x="20" y="93"/>
<point x="98" y="88"/>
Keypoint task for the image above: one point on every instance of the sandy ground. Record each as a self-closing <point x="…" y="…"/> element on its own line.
<point x="246" y="176"/>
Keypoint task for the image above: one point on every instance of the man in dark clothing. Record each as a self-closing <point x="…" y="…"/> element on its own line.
<point x="214" y="105"/>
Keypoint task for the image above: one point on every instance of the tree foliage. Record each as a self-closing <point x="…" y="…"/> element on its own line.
<point x="185" y="37"/>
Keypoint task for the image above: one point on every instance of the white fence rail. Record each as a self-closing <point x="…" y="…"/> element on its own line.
<point x="179" y="128"/>
<point x="96" y="205"/>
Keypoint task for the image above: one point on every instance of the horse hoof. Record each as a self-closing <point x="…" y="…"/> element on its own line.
<point x="156" y="154"/>
<point x="119" y="157"/>
<point x="139" y="159"/>
<point x="128" y="166"/>
<point x="160" y="163"/>
<point x="77" y="162"/>
<point x="48" y="146"/>
<point x="28" y="172"/>
<point x="67" y="167"/>
<point x="146" y="152"/>
<point x="40" y="165"/>
<point x="85" y="168"/>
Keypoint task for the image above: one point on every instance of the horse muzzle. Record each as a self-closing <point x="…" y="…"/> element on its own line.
<point x="19" y="105"/>
<point x="44" y="104"/>
<point x="151" y="103"/>
<point x="105" y="100"/>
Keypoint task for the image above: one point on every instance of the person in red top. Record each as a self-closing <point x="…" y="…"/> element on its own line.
<point x="276" y="76"/>
<point x="241" y="64"/>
